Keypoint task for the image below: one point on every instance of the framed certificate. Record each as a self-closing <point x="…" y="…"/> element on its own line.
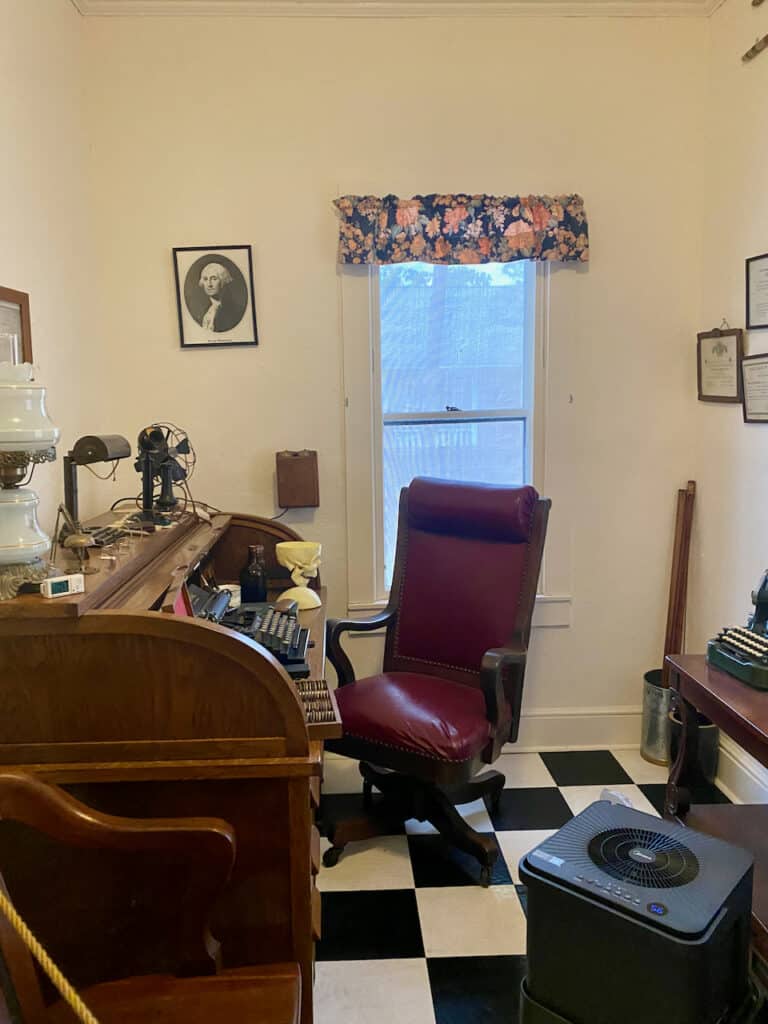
<point x="757" y="292"/>
<point x="719" y="355"/>
<point x="755" y="394"/>
<point x="14" y="319"/>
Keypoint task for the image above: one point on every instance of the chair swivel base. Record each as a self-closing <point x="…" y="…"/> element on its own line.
<point x="406" y="797"/>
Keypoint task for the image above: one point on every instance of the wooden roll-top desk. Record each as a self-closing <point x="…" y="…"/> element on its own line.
<point x="146" y="713"/>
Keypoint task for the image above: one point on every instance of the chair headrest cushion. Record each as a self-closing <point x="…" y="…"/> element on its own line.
<point x="472" y="510"/>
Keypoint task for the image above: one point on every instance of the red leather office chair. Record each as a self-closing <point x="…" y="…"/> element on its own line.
<point x="457" y="628"/>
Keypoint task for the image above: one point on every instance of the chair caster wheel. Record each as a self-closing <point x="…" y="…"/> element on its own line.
<point x="331" y="856"/>
<point x="485" y="876"/>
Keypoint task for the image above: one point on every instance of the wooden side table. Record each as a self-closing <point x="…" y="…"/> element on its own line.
<point x="741" y="713"/>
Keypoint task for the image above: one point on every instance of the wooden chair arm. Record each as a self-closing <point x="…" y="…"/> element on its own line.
<point x="200" y="852"/>
<point x="501" y="679"/>
<point x="52" y="811"/>
<point x="334" y="629"/>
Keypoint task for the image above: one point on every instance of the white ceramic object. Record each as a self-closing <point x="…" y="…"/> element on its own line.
<point x="24" y="422"/>
<point x="21" y="539"/>
<point x="302" y="557"/>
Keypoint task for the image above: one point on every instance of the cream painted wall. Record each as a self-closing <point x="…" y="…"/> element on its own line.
<point x="730" y="546"/>
<point x="226" y="131"/>
<point x="44" y="246"/>
<point x="731" y="543"/>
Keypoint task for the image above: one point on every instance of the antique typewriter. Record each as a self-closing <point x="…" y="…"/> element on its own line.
<point x="742" y="651"/>
<point x="278" y="631"/>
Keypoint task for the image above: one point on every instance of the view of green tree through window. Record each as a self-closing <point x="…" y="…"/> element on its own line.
<point x="456" y="377"/>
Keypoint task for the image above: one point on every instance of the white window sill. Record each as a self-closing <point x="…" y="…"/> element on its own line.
<point x="551" y="611"/>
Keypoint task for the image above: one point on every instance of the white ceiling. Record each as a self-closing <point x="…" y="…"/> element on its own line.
<point x="402" y="8"/>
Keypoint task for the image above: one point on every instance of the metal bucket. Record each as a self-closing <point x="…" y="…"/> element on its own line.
<point x="654" y="744"/>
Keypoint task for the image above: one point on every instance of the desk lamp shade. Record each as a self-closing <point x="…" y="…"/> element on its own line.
<point x="27" y="438"/>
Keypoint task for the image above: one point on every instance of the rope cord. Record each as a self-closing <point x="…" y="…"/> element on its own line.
<point x="67" y="991"/>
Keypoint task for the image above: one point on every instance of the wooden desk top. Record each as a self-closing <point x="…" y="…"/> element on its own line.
<point x="135" y="579"/>
<point x="734" y="707"/>
<point x="156" y="665"/>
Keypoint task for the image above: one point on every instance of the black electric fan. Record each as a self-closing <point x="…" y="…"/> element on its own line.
<point x="165" y="454"/>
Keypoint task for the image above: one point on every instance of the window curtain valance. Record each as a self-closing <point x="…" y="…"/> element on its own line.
<point x="461" y="229"/>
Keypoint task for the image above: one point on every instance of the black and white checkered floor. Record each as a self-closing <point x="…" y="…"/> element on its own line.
<point x="408" y="934"/>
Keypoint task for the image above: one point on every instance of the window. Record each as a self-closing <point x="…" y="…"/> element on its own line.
<point x="439" y="381"/>
<point x="455" y="364"/>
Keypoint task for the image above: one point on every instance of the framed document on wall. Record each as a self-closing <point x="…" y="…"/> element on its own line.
<point x="214" y="296"/>
<point x="719" y="354"/>
<point x="755" y="396"/>
<point x="757" y="292"/>
<point x="14" y="319"/>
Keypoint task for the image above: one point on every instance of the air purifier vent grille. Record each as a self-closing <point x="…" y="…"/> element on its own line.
<point x="648" y="859"/>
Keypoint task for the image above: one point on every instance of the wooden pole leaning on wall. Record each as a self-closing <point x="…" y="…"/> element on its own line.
<point x="674" y="640"/>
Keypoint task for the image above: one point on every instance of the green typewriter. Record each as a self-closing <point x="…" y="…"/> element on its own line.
<point x="742" y="651"/>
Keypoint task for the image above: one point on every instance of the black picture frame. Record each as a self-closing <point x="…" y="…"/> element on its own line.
<point x="755" y="393"/>
<point x="756" y="273"/>
<point x="703" y="345"/>
<point x="214" y="296"/>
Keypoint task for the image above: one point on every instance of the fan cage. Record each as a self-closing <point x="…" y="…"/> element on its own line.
<point x="673" y="863"/>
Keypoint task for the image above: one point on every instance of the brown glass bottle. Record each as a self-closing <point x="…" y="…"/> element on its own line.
<point x="253" y="576"/>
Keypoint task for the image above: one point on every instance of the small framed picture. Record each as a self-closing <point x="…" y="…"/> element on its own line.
<point x="757" y="292"/>
<point x="214" y="295"/>
<point x="15" y="323"/>
<point x="719" y="355"/>
<point x="754" y="370"/>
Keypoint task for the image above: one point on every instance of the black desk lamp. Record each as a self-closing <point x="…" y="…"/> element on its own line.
<point x="86" y="451"/>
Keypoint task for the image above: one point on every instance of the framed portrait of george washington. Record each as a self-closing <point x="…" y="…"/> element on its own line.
<point x="214" y="296"/>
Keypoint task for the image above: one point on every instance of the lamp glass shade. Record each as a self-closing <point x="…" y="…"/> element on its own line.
<point x="24" y="422"/>
<point x="21" y="539"/>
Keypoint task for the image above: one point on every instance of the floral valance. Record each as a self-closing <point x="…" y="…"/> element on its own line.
<point x="461" y="228"/>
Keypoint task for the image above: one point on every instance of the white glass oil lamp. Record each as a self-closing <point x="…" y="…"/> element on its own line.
<point x="27" y="438"/>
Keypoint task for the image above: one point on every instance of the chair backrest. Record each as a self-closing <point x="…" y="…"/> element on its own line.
<point x="466" y="568"/>
<point x="107" y="897"/>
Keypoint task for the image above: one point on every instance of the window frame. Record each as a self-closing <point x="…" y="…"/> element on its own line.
<point x="364" y="422"/>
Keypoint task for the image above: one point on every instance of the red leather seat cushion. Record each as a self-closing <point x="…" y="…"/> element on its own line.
<point x="424" y="714"/>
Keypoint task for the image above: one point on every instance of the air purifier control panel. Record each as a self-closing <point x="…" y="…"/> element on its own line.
<point x="604" y="888"/>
